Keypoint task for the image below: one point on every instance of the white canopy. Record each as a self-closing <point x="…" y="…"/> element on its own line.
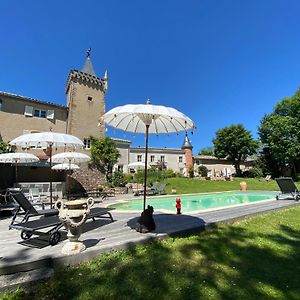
<point x="46" y="139"/>
<point x="66" y="157"/>
<point x="18" y="157"/>
<point x="65" y="166"/>
<point x="161" y="119"/>
<point x="137" y="165"/>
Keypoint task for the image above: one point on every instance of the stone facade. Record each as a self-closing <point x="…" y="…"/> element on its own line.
<point x="20" y="115"/>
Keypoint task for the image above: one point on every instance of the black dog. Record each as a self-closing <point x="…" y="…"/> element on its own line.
<point x="146" y="222"/>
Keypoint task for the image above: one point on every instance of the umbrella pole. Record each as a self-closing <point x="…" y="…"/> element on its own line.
<point x="16" y="174"/>
<point x="146" y="162"/>
<point x="68" y="178"/>
<point x="50" y="187"/>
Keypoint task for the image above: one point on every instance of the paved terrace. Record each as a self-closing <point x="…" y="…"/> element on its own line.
<point x="17" y="256"/>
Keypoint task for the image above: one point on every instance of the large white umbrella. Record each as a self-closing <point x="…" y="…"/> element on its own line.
<point x="148" y="118"/>
<point x="70" y="157"/>
<point x="16" y="158"/>
<point x="137" y="165"/>
<point x="65" y="166"/>
<point x="47" y="140"/>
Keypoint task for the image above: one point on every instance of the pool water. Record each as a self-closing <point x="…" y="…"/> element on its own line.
<point x="195" y="202"/>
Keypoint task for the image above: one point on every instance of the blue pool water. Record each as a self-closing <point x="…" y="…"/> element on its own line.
<point x="195" y="202"/>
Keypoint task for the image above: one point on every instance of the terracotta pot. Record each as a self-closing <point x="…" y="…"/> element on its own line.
<point x="243" y="186"/>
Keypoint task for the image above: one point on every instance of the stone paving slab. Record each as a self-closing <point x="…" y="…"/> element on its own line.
<point x="102" y="235"/>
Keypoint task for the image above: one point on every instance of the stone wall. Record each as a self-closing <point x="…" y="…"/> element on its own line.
<point x="87" y="177"/>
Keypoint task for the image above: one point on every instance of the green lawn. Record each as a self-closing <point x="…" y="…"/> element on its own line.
<point x="244" y="260"/>
<point x="187" y="185"/>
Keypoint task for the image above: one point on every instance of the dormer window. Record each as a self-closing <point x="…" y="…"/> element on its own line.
<point x="90" y="98"/>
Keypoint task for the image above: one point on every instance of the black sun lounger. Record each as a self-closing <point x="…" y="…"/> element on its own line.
<point x="37" y="227"/>
<point x="287" y="187"/>
<point x="26" y="209"/>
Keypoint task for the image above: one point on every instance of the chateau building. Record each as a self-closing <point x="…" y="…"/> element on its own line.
<point x="85" y="104"/>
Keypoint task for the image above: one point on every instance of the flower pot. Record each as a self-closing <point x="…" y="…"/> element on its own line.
<point x="243" y="186"/>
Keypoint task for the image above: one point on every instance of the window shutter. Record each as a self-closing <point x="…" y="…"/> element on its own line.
<point x="28" y="111"/>
<point x="50" y="114"/>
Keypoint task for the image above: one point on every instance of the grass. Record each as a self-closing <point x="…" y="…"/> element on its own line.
<point x="187" y="185"/>
<point x="244" y="260"/>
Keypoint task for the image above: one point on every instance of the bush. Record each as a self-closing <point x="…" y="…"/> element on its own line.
<point x="255" y="172"/>
<point x="191" y="172"/>
<point x="118" y="179"/>
<point x="203" y="171"/>
<point x="170" y="173"/>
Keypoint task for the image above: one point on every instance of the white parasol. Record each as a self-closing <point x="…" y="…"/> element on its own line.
<point x="147" y="118"/>
<point x="65" y="166"/>
<point x="16" y="158"/>
<point x="70" y="157"/>
<point x="47" y="140"/>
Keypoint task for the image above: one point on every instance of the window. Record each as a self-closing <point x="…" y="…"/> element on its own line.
<point x="152" y="158"/>
<point x="28" y="111"/>
<point x="40" y="113"/>
<point x="0" y="104"/>
<point x="162" y="158"/>
<point x="50" y="114"/>
<point x="90" y="98"/>
<point x="180" y="159"/>
<point x="87" y="143"/>
<point x="139" y="158"/>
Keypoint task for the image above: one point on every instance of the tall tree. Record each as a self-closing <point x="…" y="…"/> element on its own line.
<point x="280" y="133"/>
<point x="104" y="154"/>
<point x="234" y="143"/>
<point x="207" y="151"/>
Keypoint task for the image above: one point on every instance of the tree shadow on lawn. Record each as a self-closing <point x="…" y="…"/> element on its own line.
<point x="227" y="263"/>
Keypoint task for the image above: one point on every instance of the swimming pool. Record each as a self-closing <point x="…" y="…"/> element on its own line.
<point x="195" y="202"/>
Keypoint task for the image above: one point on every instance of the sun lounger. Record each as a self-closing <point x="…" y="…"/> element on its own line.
<point x="25" y="209"/>
<point x="287" y="187"/>
<point x="152" y="191"/>
<point x="39" y="227"/>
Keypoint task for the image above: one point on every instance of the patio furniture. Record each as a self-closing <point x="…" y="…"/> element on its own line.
<point x="154" y="190"/>
<point x="25" y="209"/>
<point x="287" y="187"/>
<point x="267" y="178"/>
<point x="54" y="223"/>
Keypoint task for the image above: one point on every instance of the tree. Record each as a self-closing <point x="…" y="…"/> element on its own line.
<point x="280" y="133"/>
<point x="207" y="151"/>
<point x="5" y="147"/>
<point x="234" y="143"/>
<point x="104" y="154"/>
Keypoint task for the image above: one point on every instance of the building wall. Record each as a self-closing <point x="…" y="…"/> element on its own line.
<point x="84" y="114"/>
<point x="14" y="122"/>
<point x="171" y="157"/>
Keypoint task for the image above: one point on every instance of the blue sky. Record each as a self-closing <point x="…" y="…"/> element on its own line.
<point x="219" y="62"/>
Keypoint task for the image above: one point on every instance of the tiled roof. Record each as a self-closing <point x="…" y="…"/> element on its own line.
<point x="31" y="99"/>
<point x="88" y="67"/>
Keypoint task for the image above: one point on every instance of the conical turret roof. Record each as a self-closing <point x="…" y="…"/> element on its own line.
<point x="88" y="66"/>
<point x="186" y="143"/>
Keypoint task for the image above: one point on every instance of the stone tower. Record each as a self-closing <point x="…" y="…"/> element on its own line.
<point x="85" y="100"/>
<point x="187" y="148"/>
